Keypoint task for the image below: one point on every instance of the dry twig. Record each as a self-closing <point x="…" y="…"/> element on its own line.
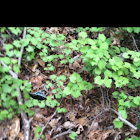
<point x="48" y="122"/>
<point x="135" y="43"/>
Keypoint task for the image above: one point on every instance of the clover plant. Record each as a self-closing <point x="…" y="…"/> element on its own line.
<point x="109" y="65"/>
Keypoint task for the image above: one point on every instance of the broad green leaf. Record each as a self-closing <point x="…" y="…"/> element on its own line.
<point x="101" y="64"/>
<point x="112" y="61"/>
<point x="81" y="85"/>
<point x="129" y="29"/>
<point x="136" y="59"/>
<point x="97" y="71"/>
<point x="102" y="37"/>
<point x="29" y="103"/>
<point x="42" y="104"/>
<point x="120" y="72"/>
<point x="60" y="37"/>
<point x="53" y="36"/>
<point x="53" y="77"/>
<point x="107" y="82"/>
<point x="13" y="102"/>
<point x="135" y="81"/>
<point x="30" y="49"/>
<point x="115" y="94"/>
<point x="67" y="91"/>
<point x="107" y="73"/>
<point x="25" y="42"/>
<point x="51" y="68"/>
<point x="117" y="123"/>
<point x="137" y="74"/>
<point x="136" y="29"/>
<point x="30" y="112"/>
<point x="26" y="95"/>
<point x="17" y="81"/>
<point x="104" y="46"/>
<point x="76" y="94"/>
<point x="14" y="93"/>
<point x="17" y="43"/>
<point x="16" y="68"/>
<point x="23" y="106"/>
<point x="4" y="113"/>
<point x="72" y="135"/>
<point x="53" y="43"/>
<point x="82" y="35"/>
<point x="130" y="85"/>
<point x="73" y="77"/>
<point x="8" y="47"/>
<point x="6" y="88"/>
<point x="34" y="41"/>
<point x="62" y="77"/>
<point x="121" y="102"/>
<point x="127" y="65"/>
<point x="96" y="58"/>
<point x="91" y="41"/>
<point x="123" y="114"/>
<point x="90" y="53"/>
<point x="37" y="130"/>
<point x="125" y="55"/>
<point x="122" y="95"/>
<point x="6" y="60"/>
<point x="35" y="102"/>
<point x="60" y="110"/>
<point x="127" y="104"/>
<point x="67" y="51"/>
<point x="98" y="80"/>
<point x="136" y="100"/>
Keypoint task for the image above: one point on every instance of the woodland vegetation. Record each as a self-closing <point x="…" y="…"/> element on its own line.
<point x="63" y="83"/>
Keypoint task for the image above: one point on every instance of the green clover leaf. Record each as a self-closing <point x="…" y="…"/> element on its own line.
<point x="117" y="123"/>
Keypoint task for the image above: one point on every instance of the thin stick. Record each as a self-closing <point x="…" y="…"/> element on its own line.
<point x="48" y="122"/>
<point x="94" y="121"/>
<point x="9" y="34"/>
<point x="61" y="134"/>
<point x="21" y="50"/>
<point x="102" y="98"/>
<point x="134" y="42"/>
<point x="14" y="75"/>
<point x="122" y="119"/>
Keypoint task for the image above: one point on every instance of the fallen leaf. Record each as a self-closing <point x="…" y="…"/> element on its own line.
<point x="53" y="123"/>
<point x="41" y="62"/>
<point x="80" y="121"/>
<point x="99" y="135"/>
<point x="106" y="133"/>
<point x="37" y="80"/>
<point x="91" y="134"/>
<point x="68" y="125"/>
<point x="14" y="128"/>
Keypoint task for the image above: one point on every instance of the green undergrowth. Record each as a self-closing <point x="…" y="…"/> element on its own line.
<point x="107" y="66"/>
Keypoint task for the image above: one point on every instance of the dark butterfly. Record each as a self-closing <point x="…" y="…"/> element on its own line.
<point x="38" y="95"/>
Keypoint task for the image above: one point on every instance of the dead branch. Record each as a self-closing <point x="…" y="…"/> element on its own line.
<point x="122" y="119"/>
<point x="63" y="133"/>
<point x="48" y="122"/>
<point x="94" y="121"/>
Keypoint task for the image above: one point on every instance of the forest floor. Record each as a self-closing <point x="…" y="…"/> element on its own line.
<point x="88" y="115"/>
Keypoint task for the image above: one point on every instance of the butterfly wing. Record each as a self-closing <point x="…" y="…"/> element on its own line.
<point x="38" y="95"/>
